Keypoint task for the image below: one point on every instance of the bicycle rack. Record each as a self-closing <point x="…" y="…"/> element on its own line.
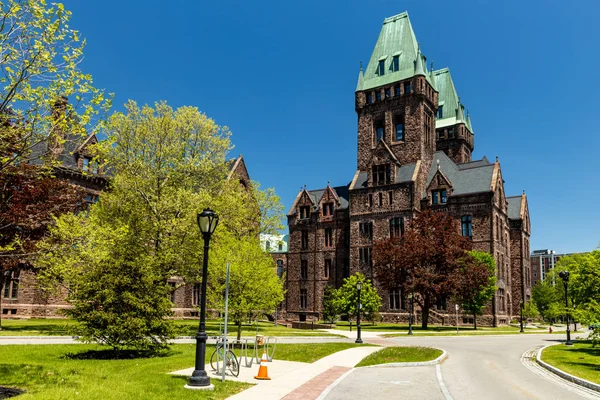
<point x="267" y="344"/>
<point x="244" y="352"/>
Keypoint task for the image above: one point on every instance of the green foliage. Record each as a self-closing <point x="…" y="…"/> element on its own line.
<point x="476" y="282"/>
<point x="254" y="287"/>
<point x="347" y="298"/>
<point x="330" y="311"/>
<point x="41" y="58"/>
<point x="530" y="311"/>
<point x="167" y="165"/>
<point x="546" y="299"/>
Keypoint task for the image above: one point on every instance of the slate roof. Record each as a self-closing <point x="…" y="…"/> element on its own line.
<point x="514" y="207"/>
<point x="405" y="174"/>
<point x="67" y="158"/>
<point x="473" y="177"/>
<point x="340" y="191"/>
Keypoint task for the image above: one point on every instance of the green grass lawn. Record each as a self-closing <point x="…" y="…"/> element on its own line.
<point x="581" y="359"/>
<point x="69" y="372"/>
<point x="400" y="354"/>
<point x="49" y="327"/>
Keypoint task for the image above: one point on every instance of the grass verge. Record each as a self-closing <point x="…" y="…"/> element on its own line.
<point x="400" y="354"/>
<point x="581" y="359"/>
<point x="58" y="327"/>
<point x="83" y="371"/>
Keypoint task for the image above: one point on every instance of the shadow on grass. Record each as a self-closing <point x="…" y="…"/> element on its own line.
<point x="6" y="392"/>
<point x="123" y="354"/>
<point x="45" y="328"/>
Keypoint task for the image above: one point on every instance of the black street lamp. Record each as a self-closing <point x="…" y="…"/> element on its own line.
<point x="522" y="306"/>
<point x="412" y="310"/>
<point x="358" y="288"/>
<point x="207" y="221"/>
<point x="564" y="275"/>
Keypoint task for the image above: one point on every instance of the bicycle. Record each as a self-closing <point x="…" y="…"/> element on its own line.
<point x="218" y="355"/>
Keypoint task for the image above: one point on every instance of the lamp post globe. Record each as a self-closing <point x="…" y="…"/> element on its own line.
<point x="564" y="275"/>
<point x="358" y="338"/>
<point x="207" y="222"/>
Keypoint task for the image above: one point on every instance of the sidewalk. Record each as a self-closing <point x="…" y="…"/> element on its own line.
<point x="295" y="380"/>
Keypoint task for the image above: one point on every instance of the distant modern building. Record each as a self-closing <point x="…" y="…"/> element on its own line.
<point x="544" y="261"/>
<point x="277" y="246"/>
<point x="415" y="142"/>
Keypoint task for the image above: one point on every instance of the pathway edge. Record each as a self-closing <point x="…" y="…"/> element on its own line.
<point x="565" y="375"/>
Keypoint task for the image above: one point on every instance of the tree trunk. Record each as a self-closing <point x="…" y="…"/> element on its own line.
<point x="474" y="321"/>
<point x="424" y="317"/>
<point x="1" y="295"/>
<point x="239" y="329"/>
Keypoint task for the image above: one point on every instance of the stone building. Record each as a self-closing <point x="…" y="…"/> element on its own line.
<point x="415" y="142"/>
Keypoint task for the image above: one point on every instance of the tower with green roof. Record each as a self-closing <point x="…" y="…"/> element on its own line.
<point x="415" y="144"/>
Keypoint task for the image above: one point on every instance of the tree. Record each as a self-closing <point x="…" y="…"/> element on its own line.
<point x="546" y="298"/>
<point x="41" y="56"/>
<point x="530" y="311"/>
<point x="347" y="298"/>
<point x="29" y="199"/>
<point x="476" y="282"/>
<point x="330" y="311"/>
<point x="424" y="261"/>
<point x="254" y="287"/>
<point x="584" y="280"/>
<point x="166" y="166"/>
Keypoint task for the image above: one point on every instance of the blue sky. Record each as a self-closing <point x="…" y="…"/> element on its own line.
<point x="282" y="76"/>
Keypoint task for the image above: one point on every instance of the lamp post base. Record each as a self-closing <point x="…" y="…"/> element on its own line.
<point x="199" y="380"/>
<point x="359" y="341"/>
<point x="568" y="343"/>
<point x="209" y="387"/>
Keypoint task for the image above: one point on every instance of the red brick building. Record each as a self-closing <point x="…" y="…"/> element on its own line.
<point x="415" y="142"/>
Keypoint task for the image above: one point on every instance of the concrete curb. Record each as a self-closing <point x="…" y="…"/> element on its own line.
<point x="571" y="378"/>
<point x="412" y="364"/>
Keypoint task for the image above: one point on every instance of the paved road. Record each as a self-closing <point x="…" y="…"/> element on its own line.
<point x="477" y="367"/>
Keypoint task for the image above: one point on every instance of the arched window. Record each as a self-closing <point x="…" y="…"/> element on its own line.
<point x="467" y="225"/>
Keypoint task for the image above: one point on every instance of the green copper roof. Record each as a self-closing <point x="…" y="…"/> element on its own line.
<point x="452" y="110"/>
<point x="395" y="39"/>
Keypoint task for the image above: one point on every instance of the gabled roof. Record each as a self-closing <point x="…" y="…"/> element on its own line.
<point x="473" y="177"/>
<point x="449" y="100"/>
<point x="396" y="38"/>
<point x="517" y="206"/>
<point x="315" y="196"/>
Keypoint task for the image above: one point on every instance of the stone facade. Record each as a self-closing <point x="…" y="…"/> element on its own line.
<point x="414" y="152"/>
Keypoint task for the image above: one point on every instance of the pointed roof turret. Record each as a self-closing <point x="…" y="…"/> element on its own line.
<point x="396" y="41"/>
<point x="459" y="112"/>
<point x="432" y="77"/>
<point x="419" y="68"/>
<point x="361" y="79"/>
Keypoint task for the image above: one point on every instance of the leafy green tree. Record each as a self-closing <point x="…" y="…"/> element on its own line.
<point x="476" y="282"/>
<point x="330" y="311"/>
<point x="546" y="299"/>
<point x="347" y="298"/>
<point x="41" y="58"/>
<point x="254" y="287"/>
<point x="167" y="165"/>
<point x="530" y="311"/>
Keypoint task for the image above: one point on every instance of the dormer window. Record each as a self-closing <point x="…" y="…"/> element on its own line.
<point x="381" y="174"/>
<point x="327" y="209"/>
<point x="396" y="63"/>
<point x="86" y="163"/>
<point x="304" y="212"/>
<point x="439" y="197"/>
<point x="381" y="68"/>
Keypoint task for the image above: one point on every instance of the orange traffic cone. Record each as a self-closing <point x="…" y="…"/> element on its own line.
<point x="262" y="370"/>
